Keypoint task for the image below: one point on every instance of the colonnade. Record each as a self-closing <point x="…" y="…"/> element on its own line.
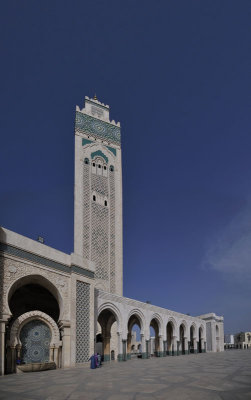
<point x="172" y="339"/>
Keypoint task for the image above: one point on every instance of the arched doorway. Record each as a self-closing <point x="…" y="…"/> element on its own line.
<point x="33" y="296"/>
<point x="169" y="337"/>
<point x="154" y="338"/>
<point x="35" y="292"/>
<point x="29" y="297"/>
<point x="133" y="336"/>
<point x="181" y="344"/>
<point x="108" y="325"/>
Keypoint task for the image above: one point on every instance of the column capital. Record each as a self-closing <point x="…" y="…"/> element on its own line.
<point x="63" y="323"/>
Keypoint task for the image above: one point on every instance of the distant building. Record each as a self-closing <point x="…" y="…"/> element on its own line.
<point x="229" y="341"/>
<point x="242" y="340"/>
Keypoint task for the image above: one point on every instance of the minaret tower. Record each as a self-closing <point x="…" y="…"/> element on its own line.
<point x="98" y="194"/>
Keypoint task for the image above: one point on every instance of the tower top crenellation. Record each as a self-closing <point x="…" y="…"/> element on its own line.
<point x="96" y="109"/>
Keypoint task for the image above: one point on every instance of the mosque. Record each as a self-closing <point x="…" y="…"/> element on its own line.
<point x="58" y="309"/>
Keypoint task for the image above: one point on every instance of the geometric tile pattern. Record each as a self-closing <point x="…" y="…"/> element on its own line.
<point x="100" y="228"/>
<point x="97" y="128"/>
<point x="35" y="337"/>
<point x="86" y="211"/>
<point x="112" y="232"/>
<point x="99" y="240"/>
<point x="82" y="322"/>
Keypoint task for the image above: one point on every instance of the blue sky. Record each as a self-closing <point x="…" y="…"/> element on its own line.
<point x="176" y="74"/>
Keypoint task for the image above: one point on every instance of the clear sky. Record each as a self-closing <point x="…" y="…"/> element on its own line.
<point x="176" y="74"/>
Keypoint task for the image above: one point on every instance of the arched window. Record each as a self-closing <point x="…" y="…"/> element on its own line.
<point x="94" y="197"/>
<point x="86" y="161"/>
<point x="106" y="203"/>
<point x="111" y="168"/>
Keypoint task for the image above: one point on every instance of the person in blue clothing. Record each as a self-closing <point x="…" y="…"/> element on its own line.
<point x="99" y="360"/>
<point x="93" y="362"/>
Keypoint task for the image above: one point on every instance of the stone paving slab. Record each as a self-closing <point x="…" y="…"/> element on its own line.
<point x="211" y="376"/>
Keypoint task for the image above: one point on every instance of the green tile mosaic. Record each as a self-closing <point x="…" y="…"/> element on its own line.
<point x="99" y="153"/>
<point x="86" y="141"/>
<point x="114" y="151"/>
<point x="97" y="128"/>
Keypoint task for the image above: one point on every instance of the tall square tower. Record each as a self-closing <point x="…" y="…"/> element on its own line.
<point x="98" y="194"/>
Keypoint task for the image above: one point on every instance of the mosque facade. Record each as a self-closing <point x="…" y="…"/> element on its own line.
<point x="56" y="308"/>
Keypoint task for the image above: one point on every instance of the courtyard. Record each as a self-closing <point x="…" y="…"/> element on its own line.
<point x="210" y="376"/>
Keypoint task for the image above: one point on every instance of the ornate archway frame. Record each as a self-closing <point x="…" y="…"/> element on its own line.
<point x="29" y="316"/>
<point x="40" y="280"/>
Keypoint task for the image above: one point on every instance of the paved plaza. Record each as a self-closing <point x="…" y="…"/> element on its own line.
<point x="212" y="376"/>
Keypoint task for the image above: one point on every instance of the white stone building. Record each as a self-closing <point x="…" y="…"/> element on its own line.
<point x="60" y="308"/>
<point x="242" y="340"/>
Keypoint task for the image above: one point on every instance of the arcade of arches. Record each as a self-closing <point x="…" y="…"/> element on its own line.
<point x="108" y="338"/>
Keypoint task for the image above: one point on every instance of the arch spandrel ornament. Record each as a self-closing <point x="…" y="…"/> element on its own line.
<point x="184" y="323"/>
<point x="29" y="316"/>
<point x="111" y="307"/>
<point x="25" y="273"/>
<point x="159" y="320"/>
<point x="174" y="323"/>
<point x="139" y="314"/>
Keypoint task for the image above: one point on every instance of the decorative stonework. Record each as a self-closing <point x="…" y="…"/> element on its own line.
<point x="24" y="269"/>
<point x="112" y="233"/>
<point x="82" y="322"/>
<point x="29" y="316"/>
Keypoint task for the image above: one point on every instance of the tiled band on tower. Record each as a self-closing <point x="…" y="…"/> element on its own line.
<point x="56" y="309"/>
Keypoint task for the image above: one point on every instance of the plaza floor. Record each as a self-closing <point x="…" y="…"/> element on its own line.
<point x="215" y="376"/>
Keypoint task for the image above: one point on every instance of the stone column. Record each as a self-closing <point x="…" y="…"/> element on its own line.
<point x="164" y="348"/>
<point x="160" y="346"/>
<point x="106" y="344"/>
<point x="202" y="345"/>
<point x="143" y="345"/>
<point x="51" y="353"/>
<point x="129" y="343"/>
<point x="124" y="344"/>
<point x="13" y="359"/>
<point x="66" y="343"/>
<point x="55" y="356"/>
<point x="174" y="349"/>
<point x="147" y="349"/>
<point x="2" y="346"/>
<point x="186" y="345"/>
<point x="18" y="352"/>
<point x="120" y="347"/>
<point x="195" y="345"/>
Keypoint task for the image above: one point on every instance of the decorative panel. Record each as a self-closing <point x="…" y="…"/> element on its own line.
<point x="82" y="322"/>
<point x="86" y="211"/>
<point x="97" y="128"/>
<point x="35" y="337"/>
<point x="112" y="232"/>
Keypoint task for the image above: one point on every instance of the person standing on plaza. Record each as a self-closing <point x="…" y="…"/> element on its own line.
<point x="93" y="362"/>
